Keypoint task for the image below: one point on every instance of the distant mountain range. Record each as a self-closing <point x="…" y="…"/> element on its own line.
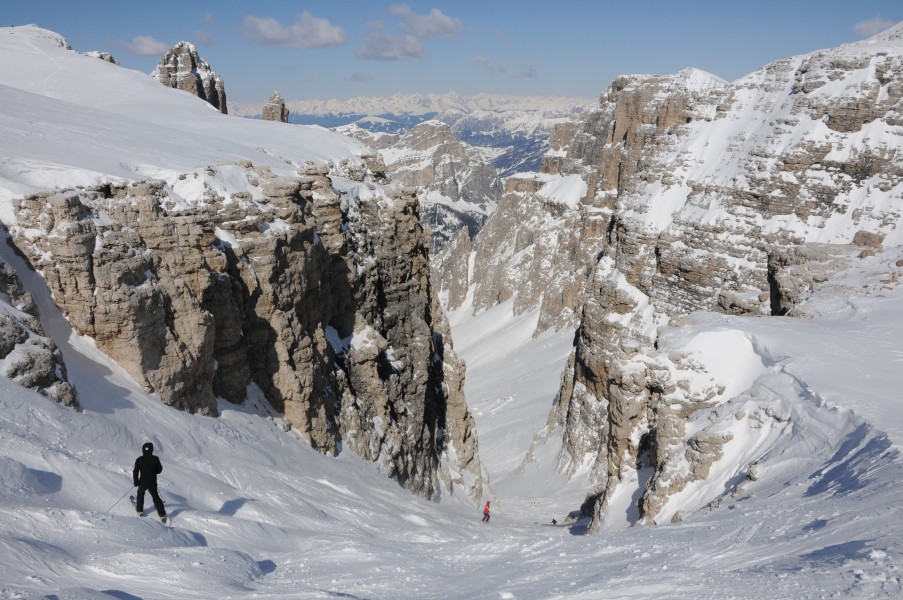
<point x="422" y="105"/>
<point x="518" y="125"/>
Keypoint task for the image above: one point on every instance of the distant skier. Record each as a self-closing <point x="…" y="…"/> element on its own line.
<point x="147" y="467"/>
<point x="486" y="512"/>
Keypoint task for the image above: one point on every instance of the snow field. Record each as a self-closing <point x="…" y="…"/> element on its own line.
<point x="257" y="513"/>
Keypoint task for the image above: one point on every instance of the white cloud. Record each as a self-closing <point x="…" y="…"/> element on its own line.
<point x="209" y="19"/>
<point x="872" y="26"/>
<point x="493" y="68"/>
<point x="143" y="45"/>
<point x="380" y="45"/>
<point x="307" y="31"/>
<point x="433" y="24"/>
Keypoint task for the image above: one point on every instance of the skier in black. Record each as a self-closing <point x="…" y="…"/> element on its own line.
<point x="147" y="466"/>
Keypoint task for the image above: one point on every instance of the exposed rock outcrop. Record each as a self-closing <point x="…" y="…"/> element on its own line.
<point x="458" y="183"/>
<point x="713" y="210"/>
<point x="314" y="288"/>
<point x="537" y="249"/>
<point x="698" y="195"/>
<point x="451" y="270"/>
<point x="26" y="355"/>
<point x="105" y="56"/>
<point x="274" y="109"/>
<point x="182" y="68"/>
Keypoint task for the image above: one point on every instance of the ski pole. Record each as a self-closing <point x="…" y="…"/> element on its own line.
<point x="120" y="500"/>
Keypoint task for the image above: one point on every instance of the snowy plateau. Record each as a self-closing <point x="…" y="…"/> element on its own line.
<point x="807" y="505"/>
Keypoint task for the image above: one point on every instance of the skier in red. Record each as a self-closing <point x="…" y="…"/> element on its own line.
<point x="486" y="512"/>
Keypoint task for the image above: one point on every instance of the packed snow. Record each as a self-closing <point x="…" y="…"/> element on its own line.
<point x="254" y="512"/>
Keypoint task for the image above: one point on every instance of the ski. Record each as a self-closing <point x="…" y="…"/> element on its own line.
<point x="165" y="520"/>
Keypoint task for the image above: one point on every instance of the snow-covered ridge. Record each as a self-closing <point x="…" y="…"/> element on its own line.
<point x="124" y="125"/>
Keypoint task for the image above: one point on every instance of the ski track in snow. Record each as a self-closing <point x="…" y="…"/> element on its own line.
<point x="256" y="513"/>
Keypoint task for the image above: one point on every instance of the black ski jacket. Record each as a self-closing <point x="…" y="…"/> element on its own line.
<point x="147" y="466"/>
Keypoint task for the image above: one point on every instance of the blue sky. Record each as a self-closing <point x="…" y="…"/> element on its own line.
<point x="341" y="49"/>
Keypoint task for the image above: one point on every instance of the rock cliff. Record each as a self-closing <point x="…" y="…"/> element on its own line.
<point x="183" y="69"/>
<point x="683" y="193"/>
<point x="26" y="355"/>
<point x="457" y="183"/>
<point x="219" y="259"/>
<point x="736" y="198"/>
<point x="314" y="288"/>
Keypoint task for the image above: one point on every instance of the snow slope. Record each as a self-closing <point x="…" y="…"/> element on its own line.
<point x="67" y="119"/>
<point x="256" y="513"/>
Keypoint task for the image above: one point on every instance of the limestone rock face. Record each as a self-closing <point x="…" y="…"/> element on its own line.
<point x="274" y="109"/>
<point x="313" y="288"/>
<point x="458" y="183"/>
<point x="455" y="161"/>
<point x="451" y="269"/>
<point x="536" y="249"/>
<point x="735" y="198"/>
<point x="26" y="355"/>
<point x="683" y="193"/>
<point x="183" y="69"/>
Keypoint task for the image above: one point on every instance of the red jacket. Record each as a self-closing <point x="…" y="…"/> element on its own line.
<point x="486" y="509"/>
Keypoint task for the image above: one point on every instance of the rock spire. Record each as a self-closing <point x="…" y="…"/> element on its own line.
<point x="274" y="109"/>
<point x="182" y="68"/>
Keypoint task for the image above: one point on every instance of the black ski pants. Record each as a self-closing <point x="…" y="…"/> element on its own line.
<point x="139" y="498"/>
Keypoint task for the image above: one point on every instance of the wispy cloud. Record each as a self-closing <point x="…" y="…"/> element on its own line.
<point x="359" y="77"/>
<point x="380" y="45"/>
<point x="142" y="45"/>
<point x="208" y="19"/>
<point x="872" y="26"/>
<point x="307" y="31"/>
<point x="494" y="69"/>
<point x="433" y="24"/>
<point x="204" y="38"/>
<point x="414" y="29"/>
